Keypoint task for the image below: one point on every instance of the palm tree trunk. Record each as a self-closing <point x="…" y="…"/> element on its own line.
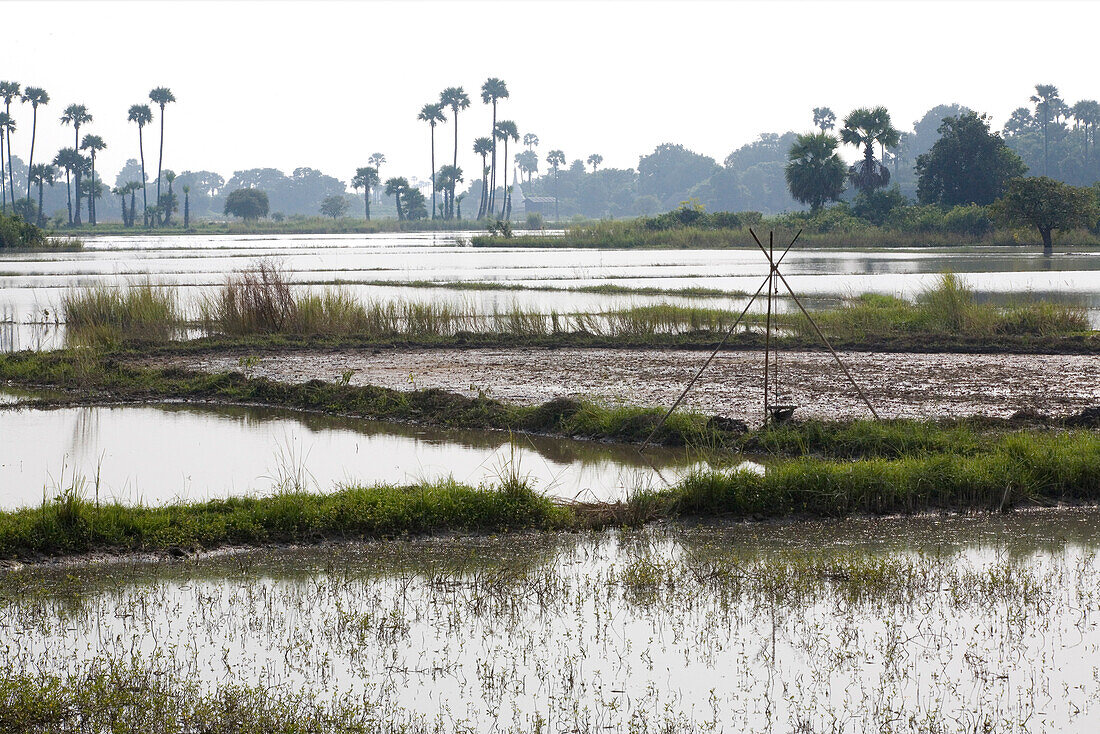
<point x="91" y="194"/>
<point x="484" y="190"/>
<point x="504" y="204"/>
<point x="160" y="157"/>
<point x="433" y="171"/>
<point x="397" y="203"/>
<point x="11" y="174"/>
<point x="40" y="222"/>
<point x="69" y="196"/>
<point x="493" y="174"/>
<point x="144" y="195"/>
<point x="454" y="164"/>
<point x="3" y="176"/>
<point x="366" y="202"/>
<point x="76" y="175"/>
<point x="133" y="206"/>
<point x="30" y="158"/>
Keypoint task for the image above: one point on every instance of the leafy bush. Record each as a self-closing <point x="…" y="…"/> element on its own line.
<point x="16" y="232"/>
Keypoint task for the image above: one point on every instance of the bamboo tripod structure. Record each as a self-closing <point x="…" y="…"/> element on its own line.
<point x="771" y="362"/>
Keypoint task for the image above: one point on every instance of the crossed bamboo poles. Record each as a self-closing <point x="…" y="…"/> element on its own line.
<point x="771" y="283"/>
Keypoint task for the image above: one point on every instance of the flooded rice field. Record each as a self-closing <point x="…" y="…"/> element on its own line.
<point x="376" y="266"/>
<point x="899" y="385"/>
<point x="218" y="451"/>
<point x="970" y="624"/>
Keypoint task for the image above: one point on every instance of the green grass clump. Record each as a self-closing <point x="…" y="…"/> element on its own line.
<point x="105" y="314"/>
<point x="1024" y="468"/>
<point x="70" y="523"/>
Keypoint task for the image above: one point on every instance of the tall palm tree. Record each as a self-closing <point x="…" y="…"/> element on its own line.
<point x="93" y="144"/>
<point x="815" y="173"/>
<point x="395" y="187"/>
<point x="41" y="174"/>
<point x="161" y="96"/>
<point x="377" y="160"/>
<point x="186" y="206"/>
<point x="432" y="114"/>
<point x="142" y="116"/>
<point x="506" y="130"/>
<point x="528" y="162"/>
<point x="366" y="178"/>
<point x="8" y="91"/>
<point x="595" y="160"/>
<point x="7" y="127"/>
<point x="555" y="158"/>
<point x="824" y="119"/>
<point x="530" y="140"/>
<point x="449" y="177"/>
<point x="864" y="127"/>
<point x="76" y="115"/>
<point x="492" y="91"/>
<point x="483" y="147"/>
<point x="36" y="96"/>
<point x="457" y="99"/>
<point x="69" y="160"/>
<point x="1047" y="105"/>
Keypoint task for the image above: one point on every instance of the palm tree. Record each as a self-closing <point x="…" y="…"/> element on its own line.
<point x="449" y="176"/>
<point x="9" y="91"/>
<point x="142" y="115"/>
<point x="161" y="96"/>
<point x="131" y="188"/>
<point x="505" y="130"/>
<point x="167" y="205"/>
<point x="457" y="99"/>
<point x="595" y="160"/>
<point x="432" y="114"/>
<point x="1047" y="104"/>
<point x="824" y="119"/>
<point x="377" y="160"/>
<point x="528" y="162"/>
<point x="865" y="127"/>
<point x="1085" y="116"/>
<point x="41" y="174"/>
<point x="186" y="206"/>
<point x="366" y="178"/>
<point x="555" y="158"/>
<point x="483" y="147"/>
<point x="492" y="91"/>
<point x="395" y="187"/>
<point x="7" y="126"/>
<point x="36" y="96"/>
<point x="93" y="144"/>
<point x="815" y="173"/>
<point x="70" y="161"/>
<point x="76" y="115"/>
<point x="530" y="140"/>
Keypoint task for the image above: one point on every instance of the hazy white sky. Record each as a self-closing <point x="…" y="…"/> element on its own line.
<point x="287" y="84"/>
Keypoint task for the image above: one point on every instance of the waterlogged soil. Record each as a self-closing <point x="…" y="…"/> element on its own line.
<point x="936" y="385"/>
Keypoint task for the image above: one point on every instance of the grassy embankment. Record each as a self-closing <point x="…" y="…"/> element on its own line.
<point x="818" y="469"/>
<point x="633" y="234"/>
<point x="260" y="303"/>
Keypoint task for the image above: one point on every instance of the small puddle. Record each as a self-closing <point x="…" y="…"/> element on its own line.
<point x="154" y="454"/>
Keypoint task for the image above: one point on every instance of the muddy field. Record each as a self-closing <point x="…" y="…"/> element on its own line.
<point x="899" y="385"/>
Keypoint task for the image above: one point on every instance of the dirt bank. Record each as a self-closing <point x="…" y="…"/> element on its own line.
<point x="899" y="385"/>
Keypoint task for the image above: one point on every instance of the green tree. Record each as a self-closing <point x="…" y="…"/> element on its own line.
<point x="334" y="206"/>
<point x="506" y="130"/>
<point x="365" y="178"/>
<point x="1047" y="205"/>
<point x="141" y="115"/>
<point x="395" y="187"/>
<point x="492" y="91"/>
<point x="93" y="144"/>
<point x="432" y="114"/>
<point x="35" y="96"/>
<point x="864" y="127"/>
<point x="43" y="174"/>
<point x="416" y="206"/>
<point x="167" y="204"/>
<point x="595" y="160"/>
<point x="483" y="147"/>
<point x="969" y="164"/>
<point x="824" y="119"/>
<point x="186" y="206"/>
<point x="76" y="115"/>
<point x="69" y="160"/>
<point x="457" y="99"/>
<point x="449" y="177"/>
<point x="161" y="96"/>
<point x="556" y="159"/>
<point x="1086" y="115"/>
<point x="815" y="173"/>
<point x="248" y="204"/>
